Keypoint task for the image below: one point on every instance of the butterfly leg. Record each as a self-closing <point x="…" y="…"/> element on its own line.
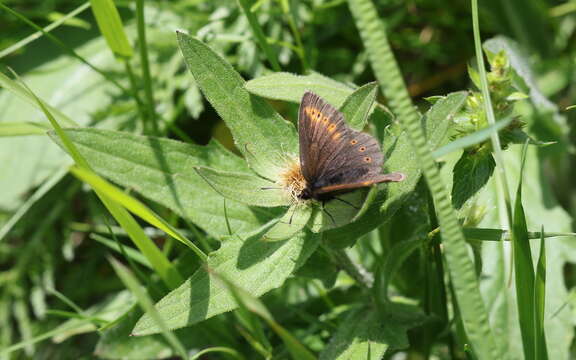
<point x="327" y="213"/>
<point x="347" y="202"/>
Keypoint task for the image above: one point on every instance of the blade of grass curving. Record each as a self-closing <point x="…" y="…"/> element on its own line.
<point x="129" y="251"/>
<point x="162" y="265"/>
<point x="540" y="302"/>
<point x="11" y="129"/>
<point x="290" y="13"/>
<point x="152" y="119"/>
<point x="30" y="38"/>
<point x="134" y="206"/>
<point x="472" y="139"/>
<point x="147" y="304"/>
<point x="111" y="27"/>
<point x="460" y="266"/>
<point x="63" y="46"/>
<point x="260" y="133"/>
<point x="259" y="34"/>
<point x="25" y="95"/>
<point x="220" y="349"/>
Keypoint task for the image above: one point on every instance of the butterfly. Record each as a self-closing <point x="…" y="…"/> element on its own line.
<point x="335" y="159"/>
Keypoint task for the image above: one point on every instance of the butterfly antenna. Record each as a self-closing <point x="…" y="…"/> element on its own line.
<point x="270" y="188"/>
<point x="347" y="203"/>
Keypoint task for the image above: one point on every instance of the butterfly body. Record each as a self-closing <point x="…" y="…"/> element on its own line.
<point x="334" y="158"/>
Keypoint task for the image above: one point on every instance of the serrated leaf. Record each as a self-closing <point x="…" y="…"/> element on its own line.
<point x="358" y="105"/>
<point x="244" y="187"/>
<point x="365" y="334"/>
<point x="256" y="266"/>
<point x="401" y="157"/>
<point x="263" y="136"/>
<point x="470" y="174"/>
<point x="162" y="170"/>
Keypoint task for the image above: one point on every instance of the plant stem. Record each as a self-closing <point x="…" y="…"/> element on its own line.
<point x="134" y="85"/>
<point x="150" y="104"/>
<point x="356" y="271"/>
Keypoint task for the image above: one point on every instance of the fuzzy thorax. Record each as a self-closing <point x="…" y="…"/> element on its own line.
<point x="292" y="180"/>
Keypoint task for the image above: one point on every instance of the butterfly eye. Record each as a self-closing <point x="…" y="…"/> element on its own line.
<point x="354" y="142"/>
<point x="367" y="159"/>
<point x="362" y="149"/>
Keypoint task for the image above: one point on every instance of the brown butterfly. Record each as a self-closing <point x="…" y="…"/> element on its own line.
<point x="335" y="159"/>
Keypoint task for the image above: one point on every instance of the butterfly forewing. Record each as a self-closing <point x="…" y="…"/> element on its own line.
<point x="333" y="157"/>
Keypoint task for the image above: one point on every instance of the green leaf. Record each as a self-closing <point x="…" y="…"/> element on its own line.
<point x="291" y="223"/>
<point x="163" y="170"/>
<point x="245" y="188"/>
<point x="358" y="105"/>
<point x="256" y="266"/>
<point x="485" y="234"/>
<point x="470" y="174"/>
<point x="265" y="139"/>
<point x="110" y="25"/>
<point x="291" y="87"/>
<point x="366" y="334"/>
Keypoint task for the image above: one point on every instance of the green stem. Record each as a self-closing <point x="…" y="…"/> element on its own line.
<point x="259" y="34"/>
<point x="292" y="23"/>
<point x="356" y="271"/>
<point x="497" y="148"/>
<point x="134" y="85"/>
<point x="143" y="47"/>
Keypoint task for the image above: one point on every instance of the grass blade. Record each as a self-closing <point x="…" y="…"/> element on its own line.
<point x="111" y="27"/>
<point x="540" y="302"/>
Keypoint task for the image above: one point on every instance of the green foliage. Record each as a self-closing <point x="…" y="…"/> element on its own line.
<point x="197" y="137"/>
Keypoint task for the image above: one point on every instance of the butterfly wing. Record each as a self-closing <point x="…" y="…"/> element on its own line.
<point x="321" y="130"/>
<point x="333" y="157"/>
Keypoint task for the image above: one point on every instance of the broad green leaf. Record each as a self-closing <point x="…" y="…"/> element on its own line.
<point x="366" y="334"/>
<point x="256" y="266"/>
<point x="291" y="223"/>
<point x="470" y="174"/>
<point x="291" y="87"/>
<point x="263" y="136"/>
<point x="163" y="170"/>
<point x="110" y="25"/>
<point x="245" y="188"/>
<point x="358" y="105"/>
<point x="401" y="158"/>
<point x="8" y="129"/>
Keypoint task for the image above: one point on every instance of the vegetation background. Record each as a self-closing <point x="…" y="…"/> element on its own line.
<point x="471" y="257"/>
